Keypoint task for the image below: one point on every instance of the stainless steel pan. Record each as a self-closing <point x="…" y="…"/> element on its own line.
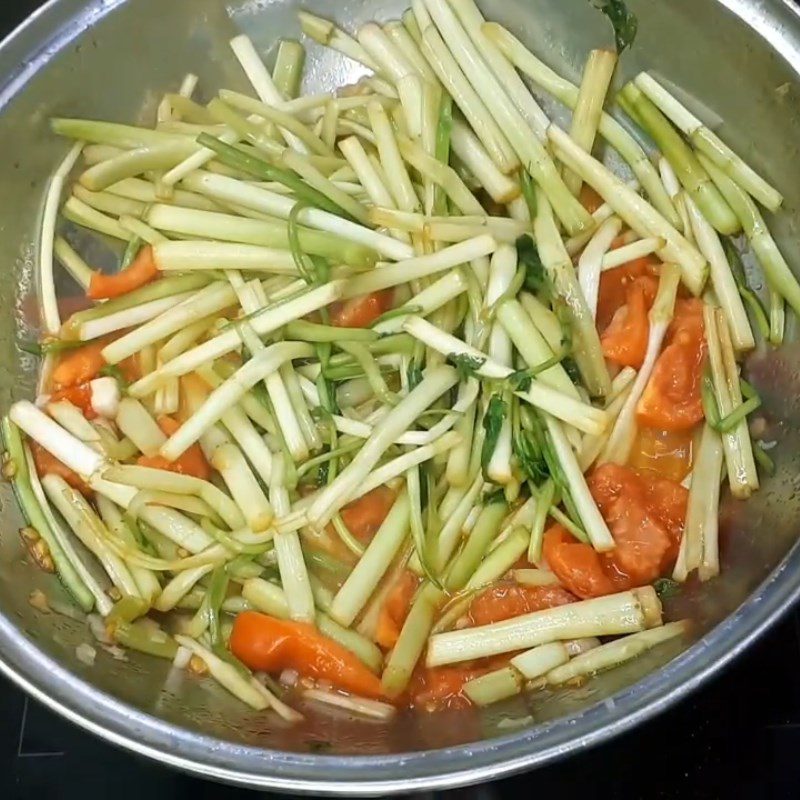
<point x="111" y="59"/>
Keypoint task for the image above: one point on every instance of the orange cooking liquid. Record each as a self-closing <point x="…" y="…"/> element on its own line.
<point x="668" y="453"/>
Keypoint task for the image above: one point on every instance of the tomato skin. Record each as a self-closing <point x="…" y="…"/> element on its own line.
<point x="667" y="453"/>
<point x="645" y="514"/>
<point x="265" y="643"/>
<point x="140" y="272"/>
<point x="362" y="311"/>
<point x="506" y="600"/>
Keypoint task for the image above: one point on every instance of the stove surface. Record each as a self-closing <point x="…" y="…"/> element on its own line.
<point x="739" y="737"/>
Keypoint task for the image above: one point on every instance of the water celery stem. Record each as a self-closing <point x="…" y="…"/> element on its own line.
<point x="739" y="458"/>
<point x="625" y="612"/>
<point x="258" y="198"/>
<point x="633" y="209"/>
<point x="326" y="33"/>
<point x="690" y="172"/>
<point x="471" y="18"/>
<point x="51" y="318"/>
<point x="421" y="266"/>
<point x="700" y="547"/>
<point x="464" y="95"/>
<point x="230" y="392"/>
<point x="371" y="567"/>
<point x="614" y="653"/>
<point x="611" y="130"/>
<point x="588" y="352"/>
<point x="590" y="263"/>
<point x="777" y="272"/>
<point x="708" y="143"/>
<point x="538" y="393"/>
<point x="529" y="149"/>
<point x="263" y="323"/>
<point x="722" y="278"/>
<point x="397" y="421"/>
<point x="597" y="75"/>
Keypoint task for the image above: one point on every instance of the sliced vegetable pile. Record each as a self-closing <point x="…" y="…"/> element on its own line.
<point x="400" y="397"/>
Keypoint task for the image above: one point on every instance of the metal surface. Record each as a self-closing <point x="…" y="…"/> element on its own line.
<point x="111" y="60"/>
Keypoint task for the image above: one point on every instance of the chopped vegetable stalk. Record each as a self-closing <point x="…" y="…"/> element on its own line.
<point x="634" y="210"/>
<point x="593" y="522"/>
<point x="362" y="581"/>
<point x="597" y="75"/>
<point x="420" y="266"/>
<point x="619" y="445"/>
<point x="230" y="392"/>
<point x="699" y="546"/>
<point x="722" y="278"/>
<point x="708" y="143"/>
<point x="467" y="146"/>
<point x="528" y="148"/>
<point x="229" y="461"/>
<point x="86" y="525"/>
<point x="590" y="263"/>
<point x="588" y="352"/>
<point x="739" y="458"/>
<point x="266" y="321"/>
<point x="682" y="159"/>
<point x="477" y="544"/>
<point x="47" y="286"/>
<point x="538" y="393"/>
<point x="614" y="653"/>
<point x="471" y="18"/>
<point x="625" y="612"/>
<point x="399" y="419"/>
<point x="779" y="277"/>
<point x="611" y="130"/>
<point x="413" y="636"/>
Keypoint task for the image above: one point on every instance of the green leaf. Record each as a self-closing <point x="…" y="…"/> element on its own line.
<point x="113" y="371"/>
<point x="466" y="365"/>
<point x="536" y="277"/>
<point x="492" y="423"/>
<point x="666" y="588"/>
<point x="494" y="496"/>
<point x="623" y="20"/>
<point x="520" y="381"/>
<point x="531" y="457"/>
<point x="745" y="292"/>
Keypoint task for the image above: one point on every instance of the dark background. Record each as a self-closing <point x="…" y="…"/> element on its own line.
<point x="738" y="738"/>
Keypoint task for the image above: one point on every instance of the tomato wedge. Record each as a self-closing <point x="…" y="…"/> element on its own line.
<point x="672" y="399"/>
<point x="80" y="365"/>
<point x="625" y="339"/>
<point x="273" y="645"/>
<point x="362" y="311"/>
<point x="141" y="271"/>
<point x="47" y="464"/>
<point x="614" y="285"/>
<point x="507" y="600"/>
<point x="191" y="462"/>
<point x="80" y="396"/>
<point x="364" y="516"/>
<point x="645" y="514"/>
<point x="395" y="610"/>
<point x="441" y="688"/>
